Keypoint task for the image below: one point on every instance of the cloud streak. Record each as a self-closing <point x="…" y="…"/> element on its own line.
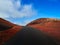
<point x="14" y="9"/>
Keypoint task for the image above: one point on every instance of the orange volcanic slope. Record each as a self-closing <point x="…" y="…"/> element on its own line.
<point x="5" y="22"/>
<point x="7" y="30"/>
<point x="49" y="26"/>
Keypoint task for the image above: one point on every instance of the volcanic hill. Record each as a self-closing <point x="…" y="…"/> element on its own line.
<point x="5" y="22"/>
<point x="7" y="30"/>
<point x="50" y="26"/>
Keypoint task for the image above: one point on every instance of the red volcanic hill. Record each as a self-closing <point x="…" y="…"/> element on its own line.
<point x="5" y="22"/>
<point x="7" y="30"/>
<point x="49" y="26"/>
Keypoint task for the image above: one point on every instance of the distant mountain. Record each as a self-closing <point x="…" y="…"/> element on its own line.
<point x="50" y="26"/>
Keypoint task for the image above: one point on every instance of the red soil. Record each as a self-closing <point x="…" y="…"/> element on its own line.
<point x="49" y="26"/>
<point x="5" y="35"/>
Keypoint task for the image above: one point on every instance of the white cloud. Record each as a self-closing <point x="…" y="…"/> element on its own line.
<point x="14" y="9"/>
<point x="10" y="8"/>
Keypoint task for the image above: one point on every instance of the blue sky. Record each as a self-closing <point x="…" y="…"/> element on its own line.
<point x="22" y="12"/>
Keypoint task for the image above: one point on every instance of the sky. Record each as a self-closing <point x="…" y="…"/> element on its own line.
<point x="22" y="12"/>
